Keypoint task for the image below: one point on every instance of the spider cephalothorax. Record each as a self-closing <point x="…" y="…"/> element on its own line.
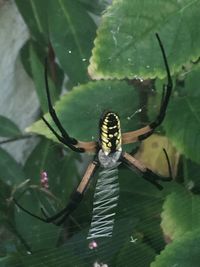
<point x="110" y="133"/>
<point x="110" y="139"/>
<point x="108" y="149"/>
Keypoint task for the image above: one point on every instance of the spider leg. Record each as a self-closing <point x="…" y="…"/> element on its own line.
<point x="64" y="138"/>
<point x="146" y="131"/>
<point x="168" y="162"/>
<point x="167" y="89"/>
<point x="61" y="139"/>
<point x="146" y="173"/>
<point x="74" y="201"/>
<point x="27" y="211"/>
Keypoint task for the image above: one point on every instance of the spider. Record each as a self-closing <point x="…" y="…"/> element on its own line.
<point x="108" y="149"/>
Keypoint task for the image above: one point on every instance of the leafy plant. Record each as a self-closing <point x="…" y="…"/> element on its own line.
<point x="152" y="228"/>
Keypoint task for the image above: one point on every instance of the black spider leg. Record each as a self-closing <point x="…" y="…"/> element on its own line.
<point x="159" y="177"/>
<point x="147" y="175"/>
<point x="64" y="137"/>
<point x="27" y="211"/>
<point x="73" y="203"/>
<point x="61" y="216"/>
<point x="168" y="163"/>
<point x="144" y="172"/>
<point x="167" y="89"/>
<point x="21" y="238"/>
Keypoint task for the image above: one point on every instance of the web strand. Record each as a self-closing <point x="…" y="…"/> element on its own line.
<point x="105" y="202"/>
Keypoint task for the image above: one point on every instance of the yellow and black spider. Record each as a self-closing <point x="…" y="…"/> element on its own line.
<point x="108" y="149"/>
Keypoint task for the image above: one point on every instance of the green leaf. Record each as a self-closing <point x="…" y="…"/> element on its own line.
<point x="135" y="254"/>
<point x="141" y="201"/>
<point x="62" y="174"/>
<point x="58" y="256"/>
<point x="126" y="46"/>
<point x="72" y="32"/>
<point x="184" y="133"/>
<point x="38" y="235"/>
<point x="136" y="193"/>
<point x="37" y="70"/>
<point x="80" y="110"/>
<point x="183" y="252"/>
<point x="8" y="128"/>
<point x="34" y="13"/>
<point x="180" y="214"/>
<point x="152" y="233"/>
<point x="183" y="130"/>
<point x="62" y="177"/>
<point x="11" y="171"/>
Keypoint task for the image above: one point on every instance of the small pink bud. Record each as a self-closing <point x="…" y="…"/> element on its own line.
<point x="44" y="180"/>
<point x="93" y="245"/>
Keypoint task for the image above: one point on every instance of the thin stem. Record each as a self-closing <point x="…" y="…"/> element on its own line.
<point x="16" y="138"/>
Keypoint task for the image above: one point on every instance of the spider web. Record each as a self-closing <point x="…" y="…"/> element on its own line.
<point x="135" y="239"/>
<point x="105" y="201"/>
<point x="135" y="230"/>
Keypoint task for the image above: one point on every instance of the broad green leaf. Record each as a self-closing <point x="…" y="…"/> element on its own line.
<point x="34" y="13"/>
<point x="8" y="128"/>
<point x="77" y="246"/>
<point x="183" y="117"/>
<point x="42" y="235"/>
<point x="149" y="229"/>
<point x="182" y="125"/>
<point x="62" y="174"/>
<point x="126" y="46"/>
<point x="138" y="197"/>
<point x="61" y="256"/>
<point x="135" y="255"/>
<point x="63" y="179"/>
<point x="38" y="235"/>
<point x="183" y="252"/>
<point x="11" y="171"/>
<point x="180" y="214"/>
<point x="80" y="110"/>
<point x="142" y="201"/>
<point x="51" y="258"/>
<point x="72" y="32"/>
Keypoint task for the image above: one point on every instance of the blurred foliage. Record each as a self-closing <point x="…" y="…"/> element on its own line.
<point x="152" y="228"/>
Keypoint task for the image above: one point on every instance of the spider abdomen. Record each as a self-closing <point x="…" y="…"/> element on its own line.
<point x="110" y="133"/>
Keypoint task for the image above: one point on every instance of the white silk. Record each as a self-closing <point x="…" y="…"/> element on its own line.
<point x="105" y="202"/>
